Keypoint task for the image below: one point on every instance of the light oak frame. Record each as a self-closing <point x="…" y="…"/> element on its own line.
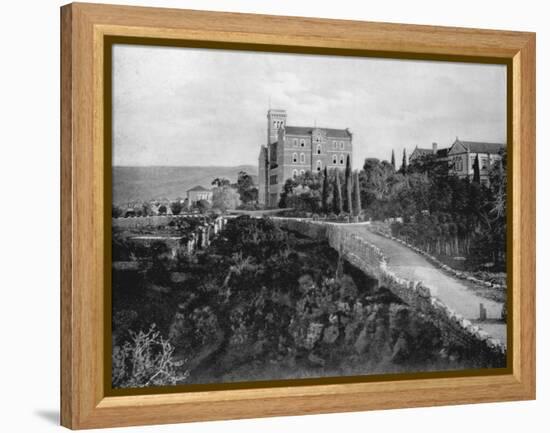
<point x="83" y="28"/>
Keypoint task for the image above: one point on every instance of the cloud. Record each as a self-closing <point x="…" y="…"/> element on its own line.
<point x="181" y="106"/>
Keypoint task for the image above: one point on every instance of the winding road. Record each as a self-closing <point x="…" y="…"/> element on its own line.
<point x="453" y="292"/>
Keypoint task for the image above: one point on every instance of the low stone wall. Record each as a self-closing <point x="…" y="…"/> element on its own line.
<point x="197" y="239"/>
<point x="456" y="330"/>
<point x="149" y="221"/>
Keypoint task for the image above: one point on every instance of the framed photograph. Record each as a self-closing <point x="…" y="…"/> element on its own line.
<point x="265" y="215"/>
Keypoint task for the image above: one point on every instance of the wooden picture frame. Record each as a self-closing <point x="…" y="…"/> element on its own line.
<point x="84" y="189"/>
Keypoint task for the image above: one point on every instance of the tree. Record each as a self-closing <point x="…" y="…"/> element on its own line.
<point x="477" y="177"/>
<point x="348" y="186"/>
<point x="393" y="159"/>
<point x="162" y="209"/>
<point x="176" y="207"/>
<point x="146" y="209"/>
<point x="245" y="186"/>
<point x="337" y="199"/>
<point x="225" y="197"/>
<point x="357" y="210"/>
<point x="221" y="181"/>
<point x="116" y="212"/>
<point x="202" y="206"/>
<point x="403" y="168"/>
<point x="288" y="188"/>
<point x="324" y="196"/>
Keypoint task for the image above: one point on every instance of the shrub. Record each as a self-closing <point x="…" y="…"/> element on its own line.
<point x="146" y="360"/>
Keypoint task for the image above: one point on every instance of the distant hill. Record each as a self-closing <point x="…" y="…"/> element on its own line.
<point x="145" y="183"/>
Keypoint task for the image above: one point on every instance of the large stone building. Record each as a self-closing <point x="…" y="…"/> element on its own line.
<point x="294" y="150"/>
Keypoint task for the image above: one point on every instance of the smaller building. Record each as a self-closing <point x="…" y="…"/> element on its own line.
<point x="418" y="152"/>
<point x="198" y="193"/>
<point x="462" y="156"/>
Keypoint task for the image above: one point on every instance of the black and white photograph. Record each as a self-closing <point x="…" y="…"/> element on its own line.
<point x="284" y="216"/>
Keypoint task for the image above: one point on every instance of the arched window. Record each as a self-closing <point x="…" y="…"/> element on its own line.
<point x="335" y="159"/>
<point x="318" y="149"/>
<point x="335" y="144"/>
<point x="341" y="159"/>
<point x="302" y="158"/>
<point x="303" y="143"/>
<point x="319" y="165"/>
<point x="295" y="142"/>
<point x="294" y="173"/>
<point x="294" y="157"/>
<point x="302" y="172"/>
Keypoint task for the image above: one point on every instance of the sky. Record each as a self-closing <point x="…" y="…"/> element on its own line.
<point x="196" y="107"/>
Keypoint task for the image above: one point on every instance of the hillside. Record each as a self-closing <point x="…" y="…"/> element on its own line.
<point x="145" y="183"/>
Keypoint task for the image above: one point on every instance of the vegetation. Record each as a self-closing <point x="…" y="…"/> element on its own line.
<point x="146" y="360"/>
<point x="429" y="207"/>
<point x="442" y="214"/>
<point x="260" y="303"/>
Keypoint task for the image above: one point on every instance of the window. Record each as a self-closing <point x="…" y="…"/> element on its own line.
<point x="319" y="165"/>
<point x="303" y="158"/>
<point x="335" y="144"/>
<point x="335" y="159"/>
<point x="302" y="172"/>
<point x="483" y="163"/>
<point x="457" y="162"/>
<point x="294" y="157"/>
<point x="303" y="143"/>
<point x="342" y="145"/>
<point x="318" y="149"/>
<point x="295" y="142"/>
<point x="341" y="159"/>
<point x="294" y="173"/>
<point x="273" y="180"/>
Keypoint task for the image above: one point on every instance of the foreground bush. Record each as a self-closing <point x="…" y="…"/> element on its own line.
<point x="146" y="360"/>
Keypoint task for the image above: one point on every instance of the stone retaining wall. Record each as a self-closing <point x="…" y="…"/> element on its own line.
<point x="456" y="330"/>
<point x="197" y="239"/>
<point x="149" y="221"/>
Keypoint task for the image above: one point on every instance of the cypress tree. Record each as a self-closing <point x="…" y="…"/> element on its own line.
<point x="403" y="168"/>
<point x="393" y="159"/>
<point x="477" y="177"/>
<point x="357" y="195"/>
<point x="348" y="186"/>
<point x="337" y="199"/>
<point x="324" y="197"/>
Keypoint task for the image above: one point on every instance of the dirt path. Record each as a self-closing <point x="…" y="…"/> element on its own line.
<point x="452" y="291"/>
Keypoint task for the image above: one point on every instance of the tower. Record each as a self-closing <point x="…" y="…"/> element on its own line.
<point x="276" y="119"/>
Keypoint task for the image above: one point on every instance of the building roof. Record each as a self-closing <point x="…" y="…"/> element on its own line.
<point x="198" y="188"/>
<point x="440" y="153"/>
<point x="480" y="147"/>
<point x="307" y="130"/>
<point x="423" y="151"/>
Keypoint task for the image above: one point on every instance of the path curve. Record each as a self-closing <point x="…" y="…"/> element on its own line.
<point x="453" y="292"/>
